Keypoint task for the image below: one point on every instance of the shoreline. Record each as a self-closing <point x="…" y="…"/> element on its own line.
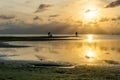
<point x="56" y="37"/>
<point x="36" y="38"/>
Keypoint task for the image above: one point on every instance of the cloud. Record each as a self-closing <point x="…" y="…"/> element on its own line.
<point x="114" y="19"/>
<point x="111" y="62"/>
<point x="89" y="10"/>
<point x="43" y="7"/>
<point x="24" y="28"/>
<point x="28" y="1"/>
<point x="37" y="18"/>
<point x="54" y="15"/>
<point x="118" y="17"/>
<point x="104" y="19"/>
<point x="113" y="4"/>
<point x="6" y="17"/>
<point x="107" y="53"/>
<point x="54" y="27"/>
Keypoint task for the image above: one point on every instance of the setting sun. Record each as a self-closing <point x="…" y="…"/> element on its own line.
<point x="90" y="13"/>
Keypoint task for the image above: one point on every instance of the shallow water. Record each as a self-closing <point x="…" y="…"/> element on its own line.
<point x="86" y="49"/>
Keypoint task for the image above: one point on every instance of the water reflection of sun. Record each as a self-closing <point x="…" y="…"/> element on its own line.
<point x="90" y="38"/>
<point x="90" y="55"/>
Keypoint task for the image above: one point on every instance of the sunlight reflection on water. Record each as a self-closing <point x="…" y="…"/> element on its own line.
<point x="90" y="38"/>
<point x="83" y="51"/>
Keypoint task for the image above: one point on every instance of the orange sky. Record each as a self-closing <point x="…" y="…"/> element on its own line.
<point x="85" y="16"/>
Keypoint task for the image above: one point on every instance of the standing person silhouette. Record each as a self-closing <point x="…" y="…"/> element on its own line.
<point x="49" y="34"/>
<point x="76" y="33"/>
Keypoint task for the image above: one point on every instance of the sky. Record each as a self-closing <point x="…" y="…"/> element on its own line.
<point x="59" y="16"/>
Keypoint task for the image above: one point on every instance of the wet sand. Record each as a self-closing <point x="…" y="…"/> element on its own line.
<point x="26" y="71"/>
<point x="35" y="38"/>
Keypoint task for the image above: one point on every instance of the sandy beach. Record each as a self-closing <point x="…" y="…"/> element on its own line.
<point x="26" y="71"/>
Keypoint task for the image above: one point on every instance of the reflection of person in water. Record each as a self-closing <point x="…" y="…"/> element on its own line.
<point x="49" y="34"/>
<point x="76" y="33"/>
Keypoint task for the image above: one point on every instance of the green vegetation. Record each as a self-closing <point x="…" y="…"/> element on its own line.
<point x="20" y="71"/>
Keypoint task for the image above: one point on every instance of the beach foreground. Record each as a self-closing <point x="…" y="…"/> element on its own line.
<point x="86" y="57"/>
<point x="26" y="71"/>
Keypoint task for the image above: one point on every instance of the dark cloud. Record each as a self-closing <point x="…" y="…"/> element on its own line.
<point x="114" y="19"/>
<point x="43" y="7"/>
<point x="54" y="15"/>
<point x="118" y="17"/>
<point x="6" y="17"/>
<point x="118" y="50"/>
<point x="107" y="53"/>
<point x="54" y="27"/>
<point x="88" y="57"/>
<point x="23" y="28"/>
<point x="88" y="10"/>
<point x="113" y="4"/>
<point x="111" y="62"/>
<point x="37" y="18"/>
<point x="104" y="19"/>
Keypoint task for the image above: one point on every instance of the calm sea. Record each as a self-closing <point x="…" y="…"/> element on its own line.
<point x="85" y="49"/>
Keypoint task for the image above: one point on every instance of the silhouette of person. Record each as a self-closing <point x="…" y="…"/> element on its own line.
<point x="76" y="34"/>
<point x="49" y="34"/>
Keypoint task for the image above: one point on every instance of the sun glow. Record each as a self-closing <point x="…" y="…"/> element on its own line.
<point x="90" y="13"/>
<point x="90" y="38"/>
